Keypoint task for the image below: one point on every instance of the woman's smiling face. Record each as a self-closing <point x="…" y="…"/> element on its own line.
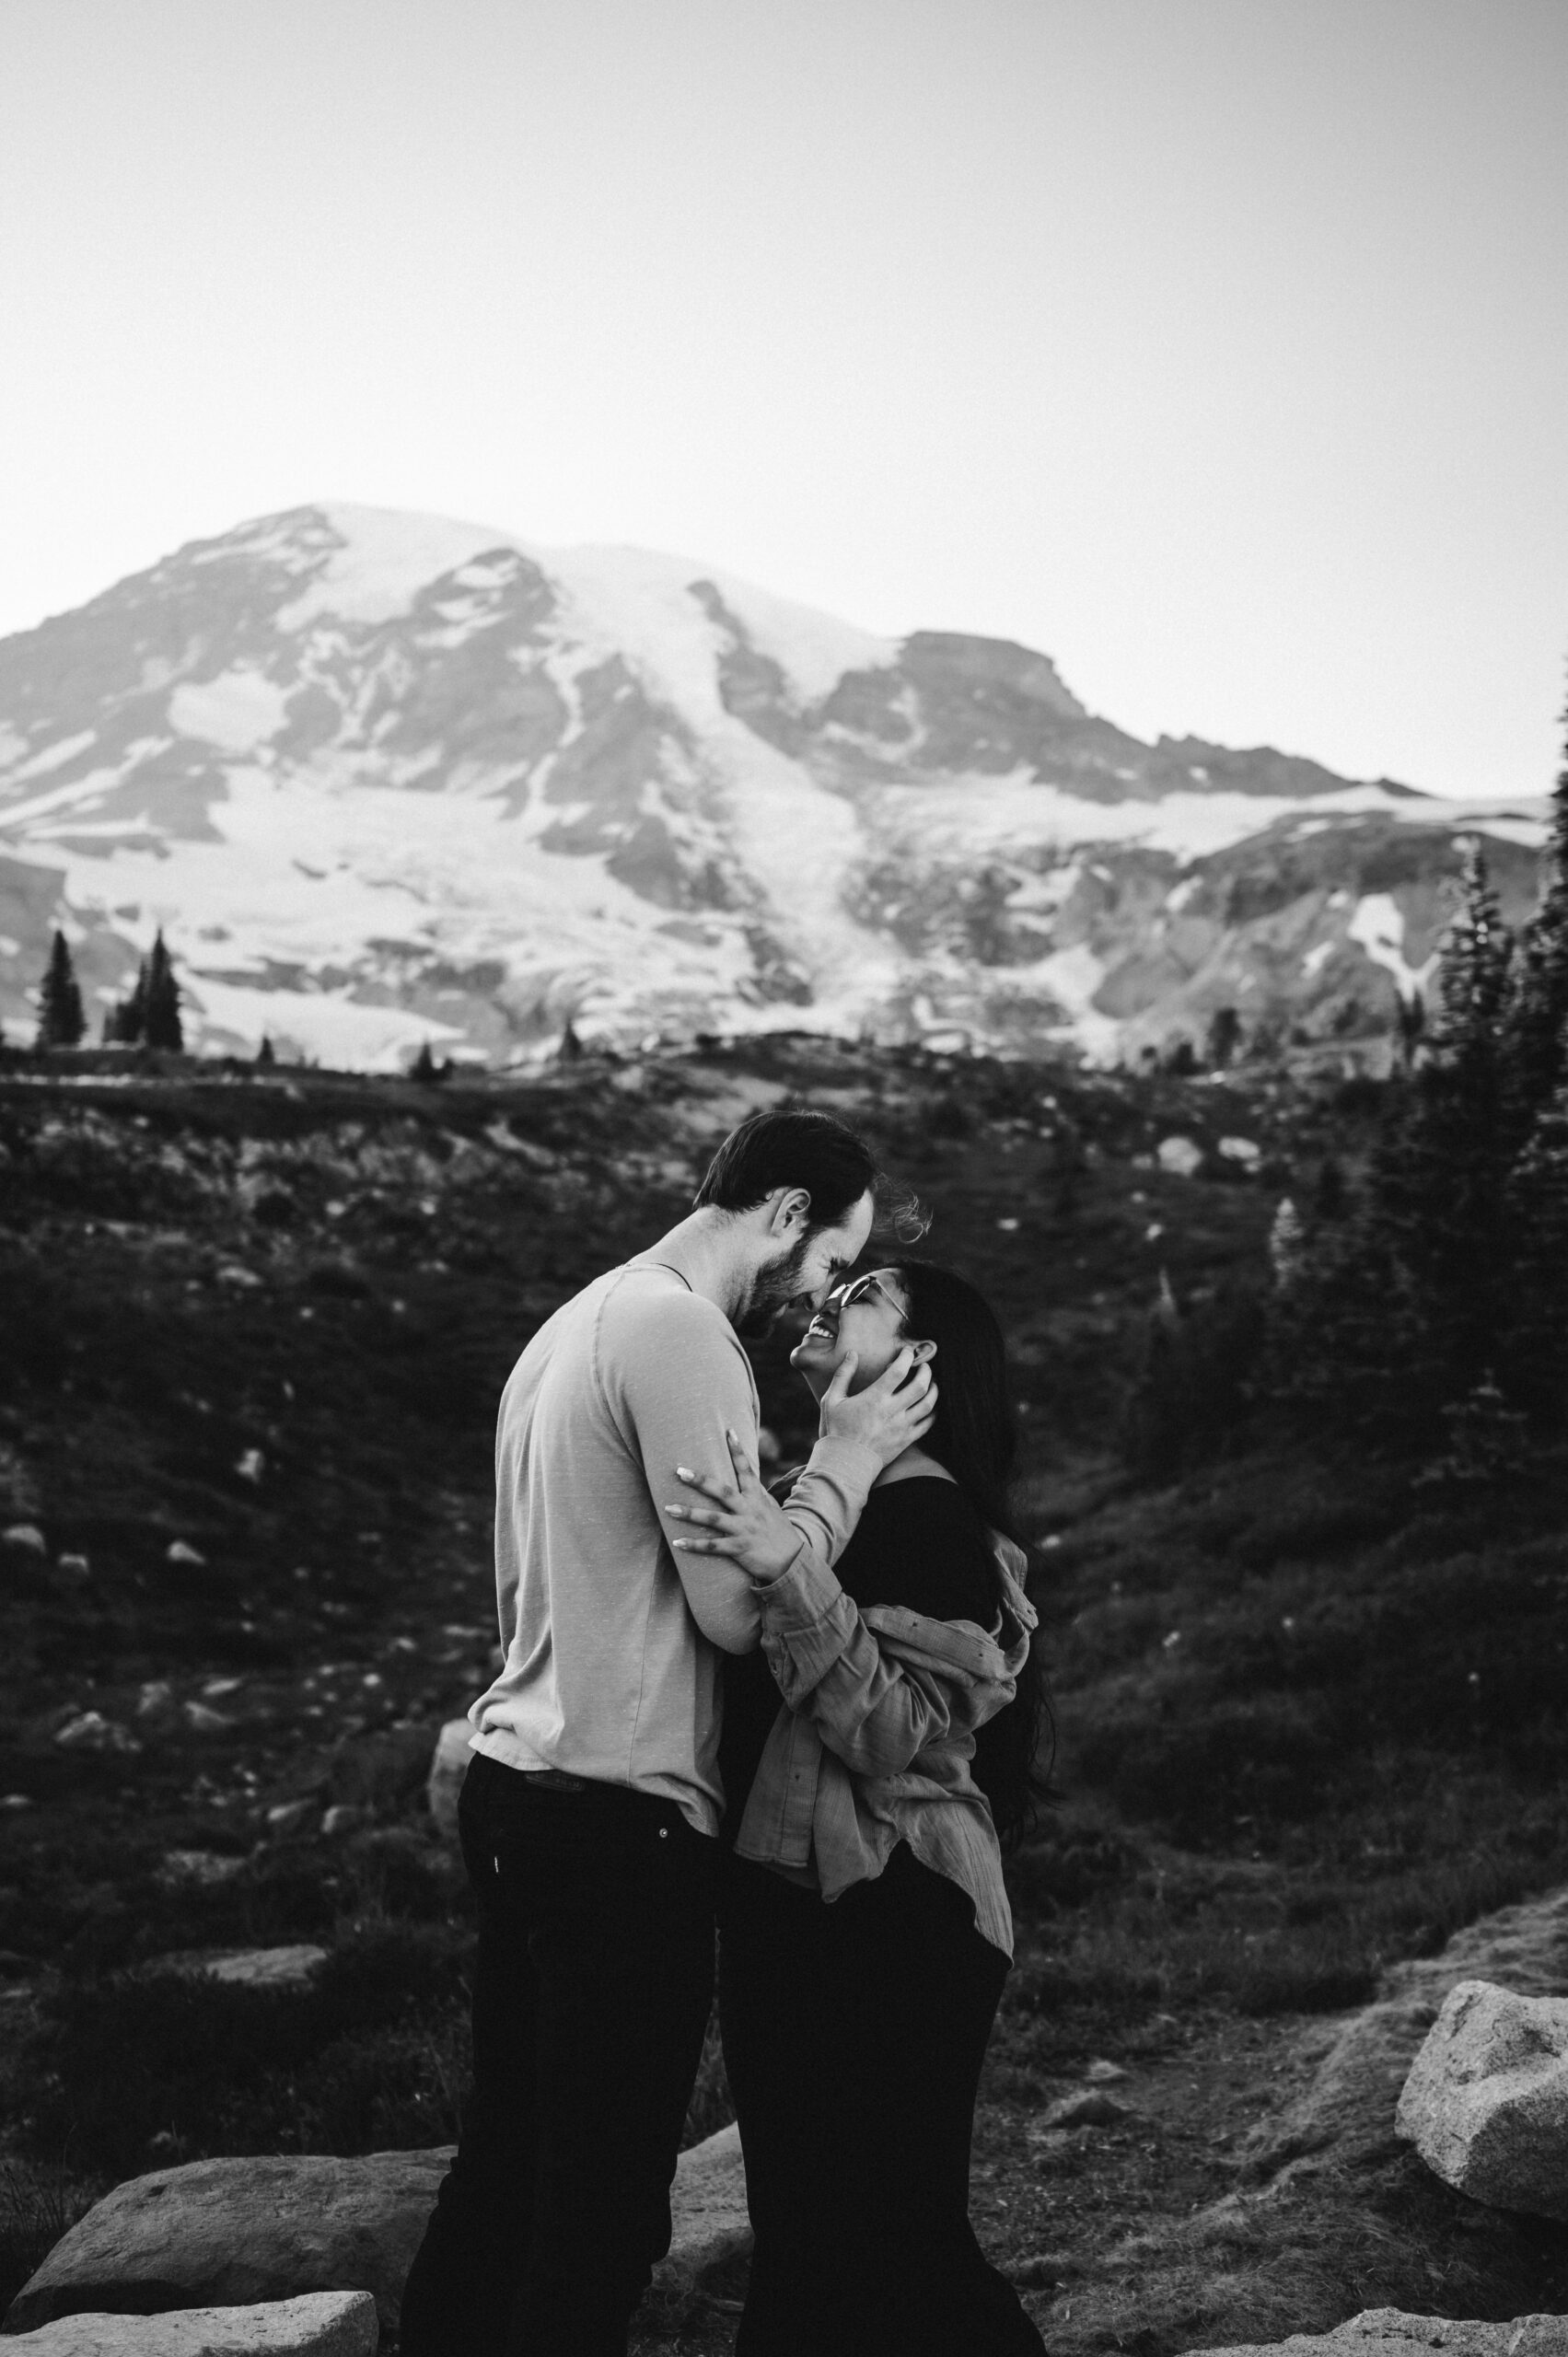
<point x="868" y="1316"/>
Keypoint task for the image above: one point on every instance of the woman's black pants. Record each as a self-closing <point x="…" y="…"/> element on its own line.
<point x="854" y="2036"/>
<point x="592" y="1988"/>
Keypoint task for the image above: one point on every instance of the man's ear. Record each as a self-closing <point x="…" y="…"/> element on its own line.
<point x="792" y="1211"/>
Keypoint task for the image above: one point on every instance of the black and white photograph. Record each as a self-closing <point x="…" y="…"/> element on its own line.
<point x="783" y="1178"/>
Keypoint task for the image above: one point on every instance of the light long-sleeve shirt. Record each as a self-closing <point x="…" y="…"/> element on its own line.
<point x="612" y="1639"/>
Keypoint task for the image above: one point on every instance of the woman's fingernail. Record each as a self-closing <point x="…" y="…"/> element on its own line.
<point x="684" y="1473"/>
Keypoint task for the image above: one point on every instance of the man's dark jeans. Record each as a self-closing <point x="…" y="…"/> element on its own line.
<point x="591" y="1992"/>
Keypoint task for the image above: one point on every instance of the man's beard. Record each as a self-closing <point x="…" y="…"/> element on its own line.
<point x="773" y="1290"/>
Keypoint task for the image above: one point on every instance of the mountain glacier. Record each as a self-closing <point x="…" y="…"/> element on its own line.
<point x="384" y="779"/>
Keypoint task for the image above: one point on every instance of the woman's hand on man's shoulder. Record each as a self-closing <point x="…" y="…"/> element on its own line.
<point x="739" y="1518"/>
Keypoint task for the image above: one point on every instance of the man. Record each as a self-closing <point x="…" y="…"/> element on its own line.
<point x="591" y="1815"/>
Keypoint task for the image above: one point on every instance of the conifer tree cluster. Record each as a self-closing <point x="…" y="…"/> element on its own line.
<point x="150" y="1017"/>
<point x="1448" y="1277"/>
<point x="60" y="1022"/>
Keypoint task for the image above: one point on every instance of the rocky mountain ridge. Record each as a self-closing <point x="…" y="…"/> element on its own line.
<point x="386" y="779"/>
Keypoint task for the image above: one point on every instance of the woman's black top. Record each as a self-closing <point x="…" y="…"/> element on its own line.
<point x="919" y="1543"/>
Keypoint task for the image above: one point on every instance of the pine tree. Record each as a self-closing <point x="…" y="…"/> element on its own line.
<point x="1537" y="1351"/>
<point x="1410" y="1015"/>
<point x="1224" y="1038"/>
<point x="60" y="1022"/>
<point x="1329" y="1196"/>
<point x="127" y="1023"/>
<point x="1440" y="1178"/>
<point x="1538" y="1029"/>
<point x="266" y="1054"/>
<point x="163" y="1027"/>
<point x="1473" y="972"/>
<point x="424" y="1065"/>
<point x="1287" y="1246"/>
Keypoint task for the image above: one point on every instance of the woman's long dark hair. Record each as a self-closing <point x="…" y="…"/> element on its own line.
<point x="975" y="1438"/>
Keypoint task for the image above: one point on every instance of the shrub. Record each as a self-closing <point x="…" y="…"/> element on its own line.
<point x="37" y="2206"/>
<point x="1196" y="1384"/>
<point x="371" y="2053"/>
<point x="1196" y="1770"/>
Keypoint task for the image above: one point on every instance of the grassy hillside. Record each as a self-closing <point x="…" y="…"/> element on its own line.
<point x="254" y="1327"/>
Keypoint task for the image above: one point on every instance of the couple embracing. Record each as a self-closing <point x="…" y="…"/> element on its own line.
<point x="807" y="1719"/>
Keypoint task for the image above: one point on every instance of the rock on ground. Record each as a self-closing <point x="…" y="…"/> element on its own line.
<point x="293" y="1967"/>
<point x="1390" y="2332"/>
<point x="230" y="2232"/>
<point x="323" y="2324"/>
<point x="448" y="1766"/>
<point x="1486" y="2103"/>
<point x="707" y="2207"/>
<point x="1346" y="2114"/>
<point x="1092" y="2108"/>
<point x="237" y="2231"/>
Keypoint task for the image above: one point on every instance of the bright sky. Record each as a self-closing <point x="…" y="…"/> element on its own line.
<point x="1218" y="347"/>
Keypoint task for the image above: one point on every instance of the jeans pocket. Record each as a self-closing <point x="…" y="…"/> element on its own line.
<point x="679" y="1859"/>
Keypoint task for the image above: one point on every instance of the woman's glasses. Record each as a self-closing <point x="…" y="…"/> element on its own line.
<point x="844" y="1297"/>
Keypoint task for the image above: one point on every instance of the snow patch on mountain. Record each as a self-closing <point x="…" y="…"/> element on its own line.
<point x="1378" y="922"/>
<point x="239" y="710"/>
<point x="55" y="756"/>
<point x="1525" y="826"/>
<point x="814" y="651"/>
<point x="980" y="814"/>
<point x="311" y="1027"/>
<point x="382" y="561"/>
<point x="1072" y="977"/>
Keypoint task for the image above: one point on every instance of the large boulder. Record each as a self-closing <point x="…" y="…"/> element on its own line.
<point x="322" y="2324"/>
<point x="235" y="2232"/>
<point x="1390" y="2332"/>
<point x="707" y="2209"/>
<point x="1344" y="2117"/>
<point x="448" y="1766"/>
<point x="1486" y="2103"/>
<point x="230" y="2232"/>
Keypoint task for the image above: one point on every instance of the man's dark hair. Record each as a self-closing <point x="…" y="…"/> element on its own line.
<point x="808" y="1150"/>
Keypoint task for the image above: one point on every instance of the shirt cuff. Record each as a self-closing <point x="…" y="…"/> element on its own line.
<point x="848" y="1462"/>
<point x="765" y="1583"/>
<point x="800" y="1596"/>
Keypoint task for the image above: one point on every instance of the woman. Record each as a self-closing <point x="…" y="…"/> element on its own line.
<point x="866" y="1934"/>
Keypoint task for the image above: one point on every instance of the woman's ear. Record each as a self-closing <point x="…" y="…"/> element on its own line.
<point x="923" y="1351"/>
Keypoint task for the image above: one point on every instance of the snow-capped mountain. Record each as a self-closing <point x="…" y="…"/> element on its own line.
<point x="382" y="778"/>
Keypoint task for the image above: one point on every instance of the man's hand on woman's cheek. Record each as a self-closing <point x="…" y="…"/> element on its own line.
<point x="890" y="1414"/>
